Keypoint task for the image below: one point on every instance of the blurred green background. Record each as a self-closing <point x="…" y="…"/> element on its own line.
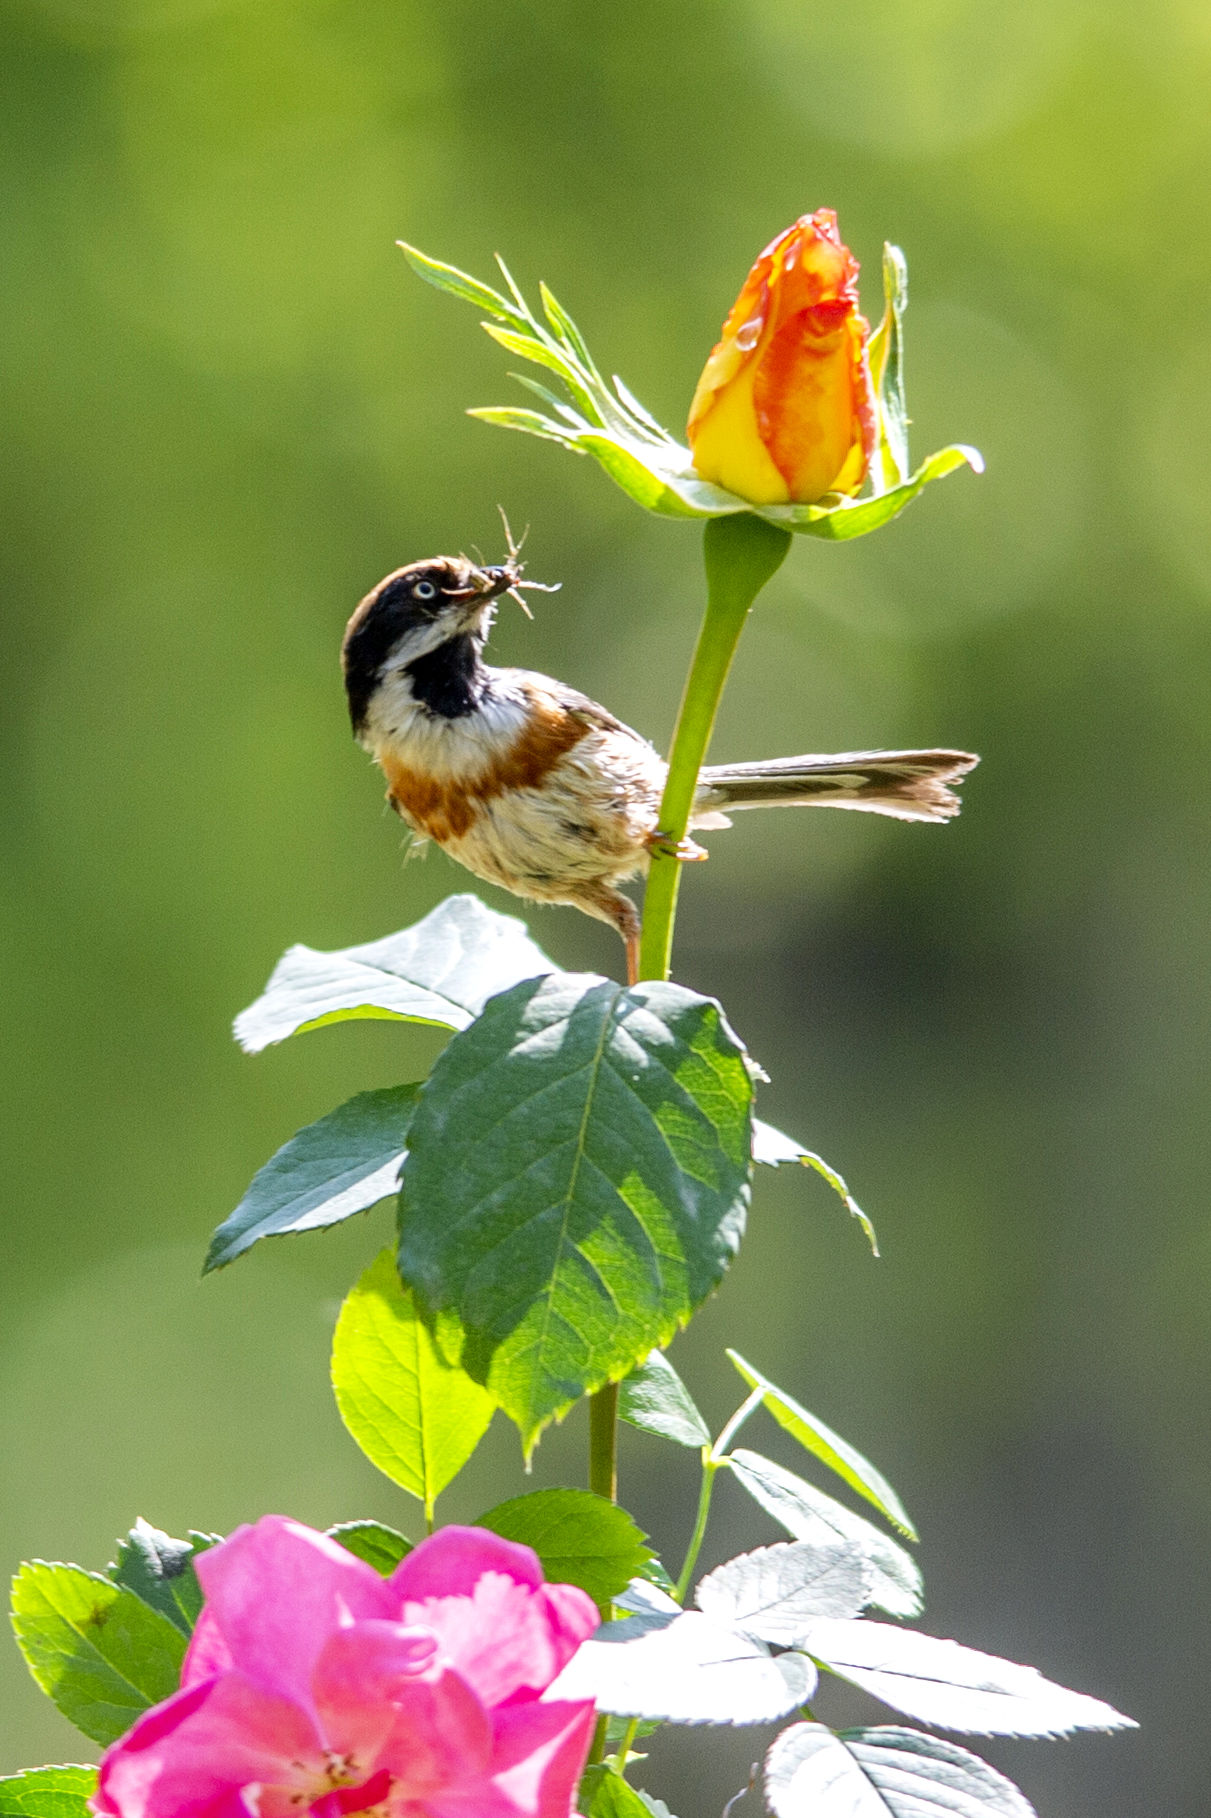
<point x="230" y="408"/>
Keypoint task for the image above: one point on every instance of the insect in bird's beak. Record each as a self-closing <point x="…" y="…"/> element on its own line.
<point x="504" y="577"/>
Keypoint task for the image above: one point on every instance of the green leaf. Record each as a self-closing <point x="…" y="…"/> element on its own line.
<point x="49" y="1792"/>
<point x="457" y="283"/>
<point x="160" y="1571"/>
<point x="341" y="1165"/>
<point x="416" y="1416"/>
<point x="886" y="355"/>
<point x="809" y="1514"/>
<point x="441" y="971"/>
<point x="812" y="1772"/>
<point x="773" y="1150"/>
<point x="953" y="1687"/>
<point x="827" y="1446"/>
<point x="372" y="1541"/>
<point x="96" y="1649"/>
<point x="844" y="519"/>
<point x="776" y="1593"/>
<point x="654" y="1398"/>
<point x="605" y="1794"/>
<point x="531" y="421"/>
<point x="580" y="1538"/>
<point x="576" y="1182"/>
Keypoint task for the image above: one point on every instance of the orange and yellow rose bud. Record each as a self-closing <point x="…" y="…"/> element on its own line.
<point x="785" y="410"/>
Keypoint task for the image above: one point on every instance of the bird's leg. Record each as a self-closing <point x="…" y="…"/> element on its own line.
<point x="609" y="905"/>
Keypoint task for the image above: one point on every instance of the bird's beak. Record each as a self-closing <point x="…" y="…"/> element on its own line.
<point x="485" y="584"/>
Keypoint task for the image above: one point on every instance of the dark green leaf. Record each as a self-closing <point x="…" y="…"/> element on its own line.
<point x="441" y="971"/>
<point x="160" y="1570"/>
<point x="416" y="1416"/>
<point x="579" y="1537"/>
<point x="812" y="1772"/>
<point x="828" y="1446"/>
<point x="374" y="1542"/>
<point x="809" y="1514"/>
<point x="96" y="1649"/>
<point x="576" y="1182"/>
<point x="654" y="1398"/>
<point x="774" y="1150"/>
<point x="49" y="1792"/>
<point x="952" y="1687"/>
<point x="343" y="1164"/>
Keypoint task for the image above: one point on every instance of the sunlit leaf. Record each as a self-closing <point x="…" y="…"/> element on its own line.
<point x="954" y="1687"/>
<point x="776" y="1593"/>
<point x="440" y="971"/>
<point x="654" y="1398"/>
<point x="341" y="1165"/>
<point x="48" y="1792"/>
<point x="685" y="1669"/>
<point x="576" y="1182"/>
<point x="774" y="1150"/>
<point x="97" y="1650"/>
<point x="579" y="1537"/>
<point x="809" y="1514"/>
<point x="886" y="355"/>
<point x="415" y="1415"/>
<point x="812" y="1772"/>
<point x="457" y="283"/>
<point x="827" y="1446"/>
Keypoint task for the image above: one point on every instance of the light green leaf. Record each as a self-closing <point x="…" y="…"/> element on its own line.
<point x="953" y="1687"/>
<point x="416" y="1416"/>
<point x="374" y="1542"/>
<point x="96" y="1649"/>
<point x="809" y="1514"/>
<point x="531" y="421"/>
<point x="813" y="1772"/>
<point x="654" y="1398"/>
<point x="605" y="1794"/>
<point x="886" y="354"/>
<point x="48" y="1792"/>
<point x="580" y="1538"/>
<point x="576" y="1182"/>
<point x="457" y="283"/>
<point x="827" y="1446"/>
<point x="440" y="971"/>
<point x="774" y="1150"/>
<point x="160" y="1570"/>
<point x="341" y="1165"/>
<point x="848" y="518"/>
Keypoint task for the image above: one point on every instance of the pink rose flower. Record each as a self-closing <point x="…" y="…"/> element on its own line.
<point x="314" y="1686"/>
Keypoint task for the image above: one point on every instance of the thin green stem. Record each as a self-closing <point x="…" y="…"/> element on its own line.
<point x="627" y="1744"/>
<point x="748" y="1406"/>
<point x="603" y="1442"/>
<point x="709" y="1468"/>
<point x="741" y="554"/>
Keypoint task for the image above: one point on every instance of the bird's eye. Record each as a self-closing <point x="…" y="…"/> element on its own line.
<point x="425" y="590"/>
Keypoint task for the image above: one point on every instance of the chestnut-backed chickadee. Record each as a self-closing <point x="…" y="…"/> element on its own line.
<point x="535" y="787"/>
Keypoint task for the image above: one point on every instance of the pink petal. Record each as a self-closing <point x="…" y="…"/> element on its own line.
<point x="207" y="1653"/>
<point x="449" y="1562"/>
<point x="537" y="1763"/>
<point x="276" y="1591"/>
<point x="504" y="1638"/>
<point x="441" y="1737"/>
<point x="193" y="1755"/>
<point x="364" y="1670"/>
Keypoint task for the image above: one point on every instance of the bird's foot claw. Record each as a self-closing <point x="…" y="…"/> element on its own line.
<point x="662" y="845"/>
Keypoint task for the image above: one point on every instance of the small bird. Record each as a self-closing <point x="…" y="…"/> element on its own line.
<point x="533" y="786"/>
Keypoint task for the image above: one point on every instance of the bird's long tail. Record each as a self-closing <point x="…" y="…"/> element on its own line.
<point x="909" y="785"/>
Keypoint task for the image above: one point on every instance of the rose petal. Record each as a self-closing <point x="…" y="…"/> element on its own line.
<point x="449" y="1563"/>
<point x="277" y="1590"/>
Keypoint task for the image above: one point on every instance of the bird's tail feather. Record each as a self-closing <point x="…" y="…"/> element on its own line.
<point x="909" y="785"/>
